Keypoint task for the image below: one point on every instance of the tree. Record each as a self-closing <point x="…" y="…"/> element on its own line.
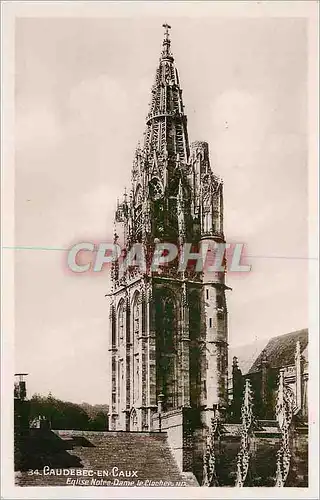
<point x="66" y="415"/>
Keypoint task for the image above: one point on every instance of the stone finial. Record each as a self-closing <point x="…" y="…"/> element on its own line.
<point x="264" y="357"/>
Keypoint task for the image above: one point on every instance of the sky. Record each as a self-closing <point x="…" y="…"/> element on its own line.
<point x="82" y="87"/>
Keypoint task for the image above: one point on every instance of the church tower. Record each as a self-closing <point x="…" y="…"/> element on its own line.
<point x="169" y="340"/>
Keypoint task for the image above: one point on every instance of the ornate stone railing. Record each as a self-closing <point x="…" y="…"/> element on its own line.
<point x="209" y="459"/>
<point x="284" y="413"/>
<point x="243" y="458"/>
<point x="219" y="469"/>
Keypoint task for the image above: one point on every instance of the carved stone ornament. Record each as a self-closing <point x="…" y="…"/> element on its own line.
<point x="247" y="423"/>
<point x="209" y="460"/>
<point x="284" y="413"/>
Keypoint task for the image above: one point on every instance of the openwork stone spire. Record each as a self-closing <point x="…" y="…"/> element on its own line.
<point x="166" y="131"/>
<point x="180" y="346"/>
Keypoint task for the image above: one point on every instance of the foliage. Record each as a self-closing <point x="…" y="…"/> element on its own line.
<point x="67" y="415"/>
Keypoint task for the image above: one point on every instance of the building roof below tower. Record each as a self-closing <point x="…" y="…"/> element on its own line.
<point x="279" y="351"/>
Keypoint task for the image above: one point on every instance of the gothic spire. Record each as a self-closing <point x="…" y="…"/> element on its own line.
<point x="166" y="130"/>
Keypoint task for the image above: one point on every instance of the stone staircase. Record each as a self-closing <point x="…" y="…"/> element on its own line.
<point x="84" y="458"/>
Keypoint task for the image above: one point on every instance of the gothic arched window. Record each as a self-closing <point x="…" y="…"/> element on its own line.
<point x="168" y="322"/>
<point x="194" y="301"/>
<point x="121" y="329"/>
<point x="157" y="215"/>
<point x="133" y="420"/>
<point x="217" y="207"/>
<point x="138" y="212"/>
<point x="136" y="308"/>
<point x="136" y="322"/>
<point x="138" y="222"/>
<point x="166" y="325"/>
<point x="207" y="214"/>
<point x="194" y="315"/>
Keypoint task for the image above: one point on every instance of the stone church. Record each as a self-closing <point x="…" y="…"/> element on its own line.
<point x="179" y="420"/>
<point x="169" y="333"/>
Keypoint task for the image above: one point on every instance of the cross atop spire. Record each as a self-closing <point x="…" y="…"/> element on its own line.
<point x="166" y="27"/>
<point x="166" y="53"/>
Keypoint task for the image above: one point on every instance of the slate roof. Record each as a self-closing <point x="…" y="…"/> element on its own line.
<point x="148" y="453"/>
<point x="280" y="351"/>
<point x="246" y="354"/>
